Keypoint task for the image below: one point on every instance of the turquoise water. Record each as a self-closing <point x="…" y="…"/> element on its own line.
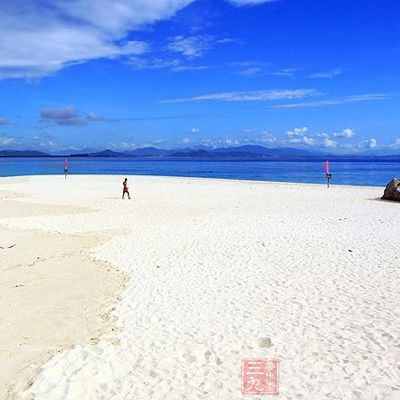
<point x="344" y="173"/>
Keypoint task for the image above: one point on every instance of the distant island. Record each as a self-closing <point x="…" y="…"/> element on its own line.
<point x="242" y="153"/>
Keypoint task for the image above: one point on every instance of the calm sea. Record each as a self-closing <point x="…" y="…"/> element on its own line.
<point x="344" y="173"/>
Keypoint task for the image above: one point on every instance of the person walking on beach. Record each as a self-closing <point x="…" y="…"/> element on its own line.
<point x="65" y="168"/>
<point x="125" y="189"/>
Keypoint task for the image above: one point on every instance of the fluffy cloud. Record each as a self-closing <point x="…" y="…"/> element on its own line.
<point x="345" y="133"/>
<point x="267" y="138"/>
<point x="40" y="37"/>
<point x="367" y="144"/>
<point x="302" y="136"/>
<point x="373" y="143"/>
<point x="330" y="143"/>
<point x="256" y="95"/>
<point x="297" y="132"/>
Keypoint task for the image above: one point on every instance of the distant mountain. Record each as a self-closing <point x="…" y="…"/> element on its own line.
<point x="22" y="153"/>
<point x="149" y="152"/>
<point x="247" y="152"/>
<point x="273" y="152"/>
<point x="108" y="153"/>
<point x="366" y="157"/>
<point x="217" y="154"/>
<point x="380" y="152"/>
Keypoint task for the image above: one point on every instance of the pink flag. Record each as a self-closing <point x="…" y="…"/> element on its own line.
<point x="327" y="167"/>
<point x="65" y="163"/>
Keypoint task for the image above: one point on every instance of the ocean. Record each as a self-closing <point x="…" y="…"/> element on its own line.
<point x="344" y="173"/>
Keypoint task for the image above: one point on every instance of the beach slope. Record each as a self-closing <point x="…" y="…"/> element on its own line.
<point x="219" y="271"/>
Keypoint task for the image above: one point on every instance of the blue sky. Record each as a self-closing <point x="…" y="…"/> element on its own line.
<point x="174" y="73"/>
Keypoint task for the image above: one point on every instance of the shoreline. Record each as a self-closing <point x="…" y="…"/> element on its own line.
<point x="214" y="268"/>
<point x="199" y="178"/>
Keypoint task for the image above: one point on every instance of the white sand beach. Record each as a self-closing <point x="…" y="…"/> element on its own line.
<point x="162" y="296"/>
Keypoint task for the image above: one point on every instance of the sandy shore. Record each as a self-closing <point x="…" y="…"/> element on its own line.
<point x="213" y="267"/>
<point x="53" y="295"/>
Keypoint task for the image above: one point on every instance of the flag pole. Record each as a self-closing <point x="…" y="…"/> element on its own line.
<point x="328" y="174"/>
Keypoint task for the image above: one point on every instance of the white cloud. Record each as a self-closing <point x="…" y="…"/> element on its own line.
<point x="326" y="74"/>
<point x="288" y="72"/>
<point x="194" y="46"/>
<point x="345" y="133"/>
<point x="395" y="144"/>
<point x="268" y="138"/>
<point x="174" y="65"/>
<point x="3" y="121"/>
<point x="296" y="132"/>
<point x="249" y="68"/>
<point x="218" y="142"/>
<point x="40" y="37"/>
<point x="183" y="68"/>
<point x="155" y="63"/>
<point x="299" y="136"/>
<point x="367" y="144"/>
<point x="185" y="141"/>
<point x="195" y="130"/>
<point x="373" y="143"/>
<point x="256" y="95"/>
<point x="6" y="141"/>
<point x="324" y="139"/>
<point x="304" y="140"/>
<point x="345" y="100"/>
<point x="190" y="46"/>
<point x="330" y="143"/>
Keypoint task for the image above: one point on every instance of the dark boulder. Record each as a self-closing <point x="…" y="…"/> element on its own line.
<point x="392" y="191"/>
